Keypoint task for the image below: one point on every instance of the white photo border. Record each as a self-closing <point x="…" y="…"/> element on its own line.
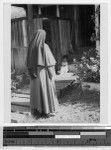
<point x="105" y="55"/>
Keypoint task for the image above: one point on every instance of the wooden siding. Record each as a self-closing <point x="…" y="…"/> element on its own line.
<point x="22" y="31"/>
<point x="19" y="42"/>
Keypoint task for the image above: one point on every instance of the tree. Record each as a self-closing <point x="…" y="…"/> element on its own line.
<point x="96" y="35"/>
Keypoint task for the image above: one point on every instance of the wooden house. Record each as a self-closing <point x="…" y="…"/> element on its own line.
<point x="68" y="27"/>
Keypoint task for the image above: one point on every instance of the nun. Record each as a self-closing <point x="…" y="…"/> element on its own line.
<point x="41" y="66"/>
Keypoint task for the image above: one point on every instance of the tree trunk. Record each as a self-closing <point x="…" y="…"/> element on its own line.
<point x="97" y="29"/>
<point x="75" y="37"/>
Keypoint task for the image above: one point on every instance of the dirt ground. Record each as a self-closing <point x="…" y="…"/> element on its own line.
<point x="76" y="105"/>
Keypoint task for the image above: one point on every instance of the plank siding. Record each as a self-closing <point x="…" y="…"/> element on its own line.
<point x="22" y="31"/>
<point x="19" y="44"/>
<point x="19" y="41"/>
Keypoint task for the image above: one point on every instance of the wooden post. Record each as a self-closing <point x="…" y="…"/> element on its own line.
<point x="39" y="10"/>
<point x="97" y="29"/>
<point x="30" y="21"/>
<point x="30" y="12"/>
<point x="76" y="27"/>
<point x="57" y="11"/>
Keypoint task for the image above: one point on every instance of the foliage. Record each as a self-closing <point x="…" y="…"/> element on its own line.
<point x="17" y="81"/>
<point x="87" y="68"/>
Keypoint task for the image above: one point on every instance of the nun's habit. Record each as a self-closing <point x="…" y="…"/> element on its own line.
<point x="41" y="63"/>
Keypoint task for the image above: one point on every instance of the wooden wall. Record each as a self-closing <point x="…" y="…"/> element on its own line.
<point x="19" y="42"/>
<point x="22" y="30"/>
<point x="63" y="35"/>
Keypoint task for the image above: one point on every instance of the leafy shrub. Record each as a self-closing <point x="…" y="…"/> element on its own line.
<point x="87" y="68"/>
<point x="18" y="81"/>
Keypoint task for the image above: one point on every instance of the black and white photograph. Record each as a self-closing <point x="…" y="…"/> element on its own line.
<point x="55" y="63"/>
